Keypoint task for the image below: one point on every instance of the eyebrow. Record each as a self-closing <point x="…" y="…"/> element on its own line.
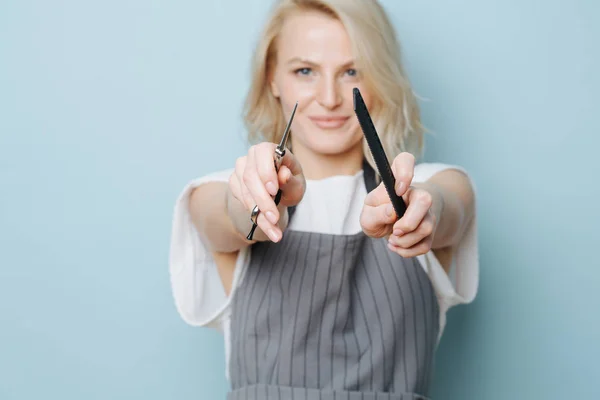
<point x="306" y="61"/>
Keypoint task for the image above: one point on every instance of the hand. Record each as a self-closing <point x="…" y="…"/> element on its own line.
<point x="255" y="182"/>
<point x="411" y="235"/>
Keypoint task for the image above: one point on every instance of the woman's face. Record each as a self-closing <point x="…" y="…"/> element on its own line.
<point x="315" y="68"/>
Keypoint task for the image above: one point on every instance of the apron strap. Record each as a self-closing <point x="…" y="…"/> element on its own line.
<point x="369" y="176"/>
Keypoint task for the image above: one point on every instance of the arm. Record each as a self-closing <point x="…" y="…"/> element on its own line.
<point x="439" y="226"/>
<point x="453" y="204"/>
<point x="440" y="208"/>
<point x="220" y="211"/>
<point x="222" y="221"/>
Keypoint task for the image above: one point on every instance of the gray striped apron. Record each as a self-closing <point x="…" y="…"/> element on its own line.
<point x="320" y="316"/>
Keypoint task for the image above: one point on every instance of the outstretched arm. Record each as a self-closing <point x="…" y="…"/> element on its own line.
<point x="453" y="204"/>
<point x="438" y="211"/>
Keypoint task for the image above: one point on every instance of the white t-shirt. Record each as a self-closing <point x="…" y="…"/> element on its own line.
<point x="332" y="206"/>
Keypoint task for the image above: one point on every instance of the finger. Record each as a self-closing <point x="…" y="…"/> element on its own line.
<point x="288" y="191"/>
<point x="284" y="175"/>
<point x="244" y="195"/>
<point x="406" y="241"/>
<point x="377" y="196"/>
<point x="235" y="188"/>
<point x="293" y="191"/>
<point x="263" y="157"/>
<point x="248" y="200"/>
<point x="257" y="190"/>
<point x="419" y="203"/>
<point x="295" y="187"/>
<point x="291" y="162"/>
<point x="272" y="231"/>
<point x="376" y="221"/>
<point x="403" y="168"/>
<point x="419" y="249"/>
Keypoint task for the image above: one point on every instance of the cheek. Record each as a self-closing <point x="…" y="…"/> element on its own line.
<point x="357" y="133"/>
<point x="301" y="92"/>
<point x="366" y="95"/>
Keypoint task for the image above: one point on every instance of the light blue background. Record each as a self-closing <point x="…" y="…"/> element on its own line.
<point x="108" y="108"/>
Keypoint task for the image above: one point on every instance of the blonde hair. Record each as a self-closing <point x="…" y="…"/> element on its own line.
<point x="395" y="111"/>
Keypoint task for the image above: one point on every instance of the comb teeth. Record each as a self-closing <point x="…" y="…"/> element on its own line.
<point x="378" y="152"/>
<point x="360" y="106"/>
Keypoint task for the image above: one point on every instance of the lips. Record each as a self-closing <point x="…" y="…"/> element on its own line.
<point x="329" y="122"/>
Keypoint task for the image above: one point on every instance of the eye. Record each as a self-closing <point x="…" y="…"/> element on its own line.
<point x="303" y="71"/>
<point x="352" y="72"/>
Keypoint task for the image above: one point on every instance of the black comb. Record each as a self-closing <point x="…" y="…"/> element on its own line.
<point x="381" y="161"/>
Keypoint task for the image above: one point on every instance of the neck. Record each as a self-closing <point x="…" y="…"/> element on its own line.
<point x="319" y="166"/>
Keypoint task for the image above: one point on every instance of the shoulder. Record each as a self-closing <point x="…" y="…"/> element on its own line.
<point x="218" y="176"/>
<point x="213" y="176"/>
<point x="426" y="170"/>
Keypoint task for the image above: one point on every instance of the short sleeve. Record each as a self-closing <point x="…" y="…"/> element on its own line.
<point x="195" y="282"/>
<point x="460" y="286"/>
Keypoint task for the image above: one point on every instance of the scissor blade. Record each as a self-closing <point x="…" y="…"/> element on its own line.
<point x="286" y="133"/>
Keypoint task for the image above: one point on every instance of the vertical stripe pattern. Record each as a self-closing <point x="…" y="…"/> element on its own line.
<point x="339" y="316"/>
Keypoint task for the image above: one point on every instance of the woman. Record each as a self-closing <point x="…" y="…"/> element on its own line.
<point x="334" y="297"/>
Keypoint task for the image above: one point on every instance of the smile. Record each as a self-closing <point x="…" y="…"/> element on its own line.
<point x="329" y="122"/>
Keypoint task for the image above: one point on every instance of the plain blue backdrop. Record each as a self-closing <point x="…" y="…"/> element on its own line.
<point x="108" y="108"/>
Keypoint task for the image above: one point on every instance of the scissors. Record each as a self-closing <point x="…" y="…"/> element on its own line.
<point x="278" y="158"/>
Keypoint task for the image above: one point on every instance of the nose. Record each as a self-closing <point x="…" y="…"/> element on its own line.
<point x="329" y="95"/>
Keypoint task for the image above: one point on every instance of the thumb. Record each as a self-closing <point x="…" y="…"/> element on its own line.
<point x="290" y="161"/>
<point x="284" y="175"/>
<point x="377" y="221"/>
<point x="292" y="186"/>
<point x="377" y="196"/>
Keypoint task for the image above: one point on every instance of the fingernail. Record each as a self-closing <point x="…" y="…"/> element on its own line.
<point x="399" y="186"/>
<point x="271" y="217"/>
<point x="271" y="188"/>
<point x="274" y="236"/>
<point x="398" y="232"/>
